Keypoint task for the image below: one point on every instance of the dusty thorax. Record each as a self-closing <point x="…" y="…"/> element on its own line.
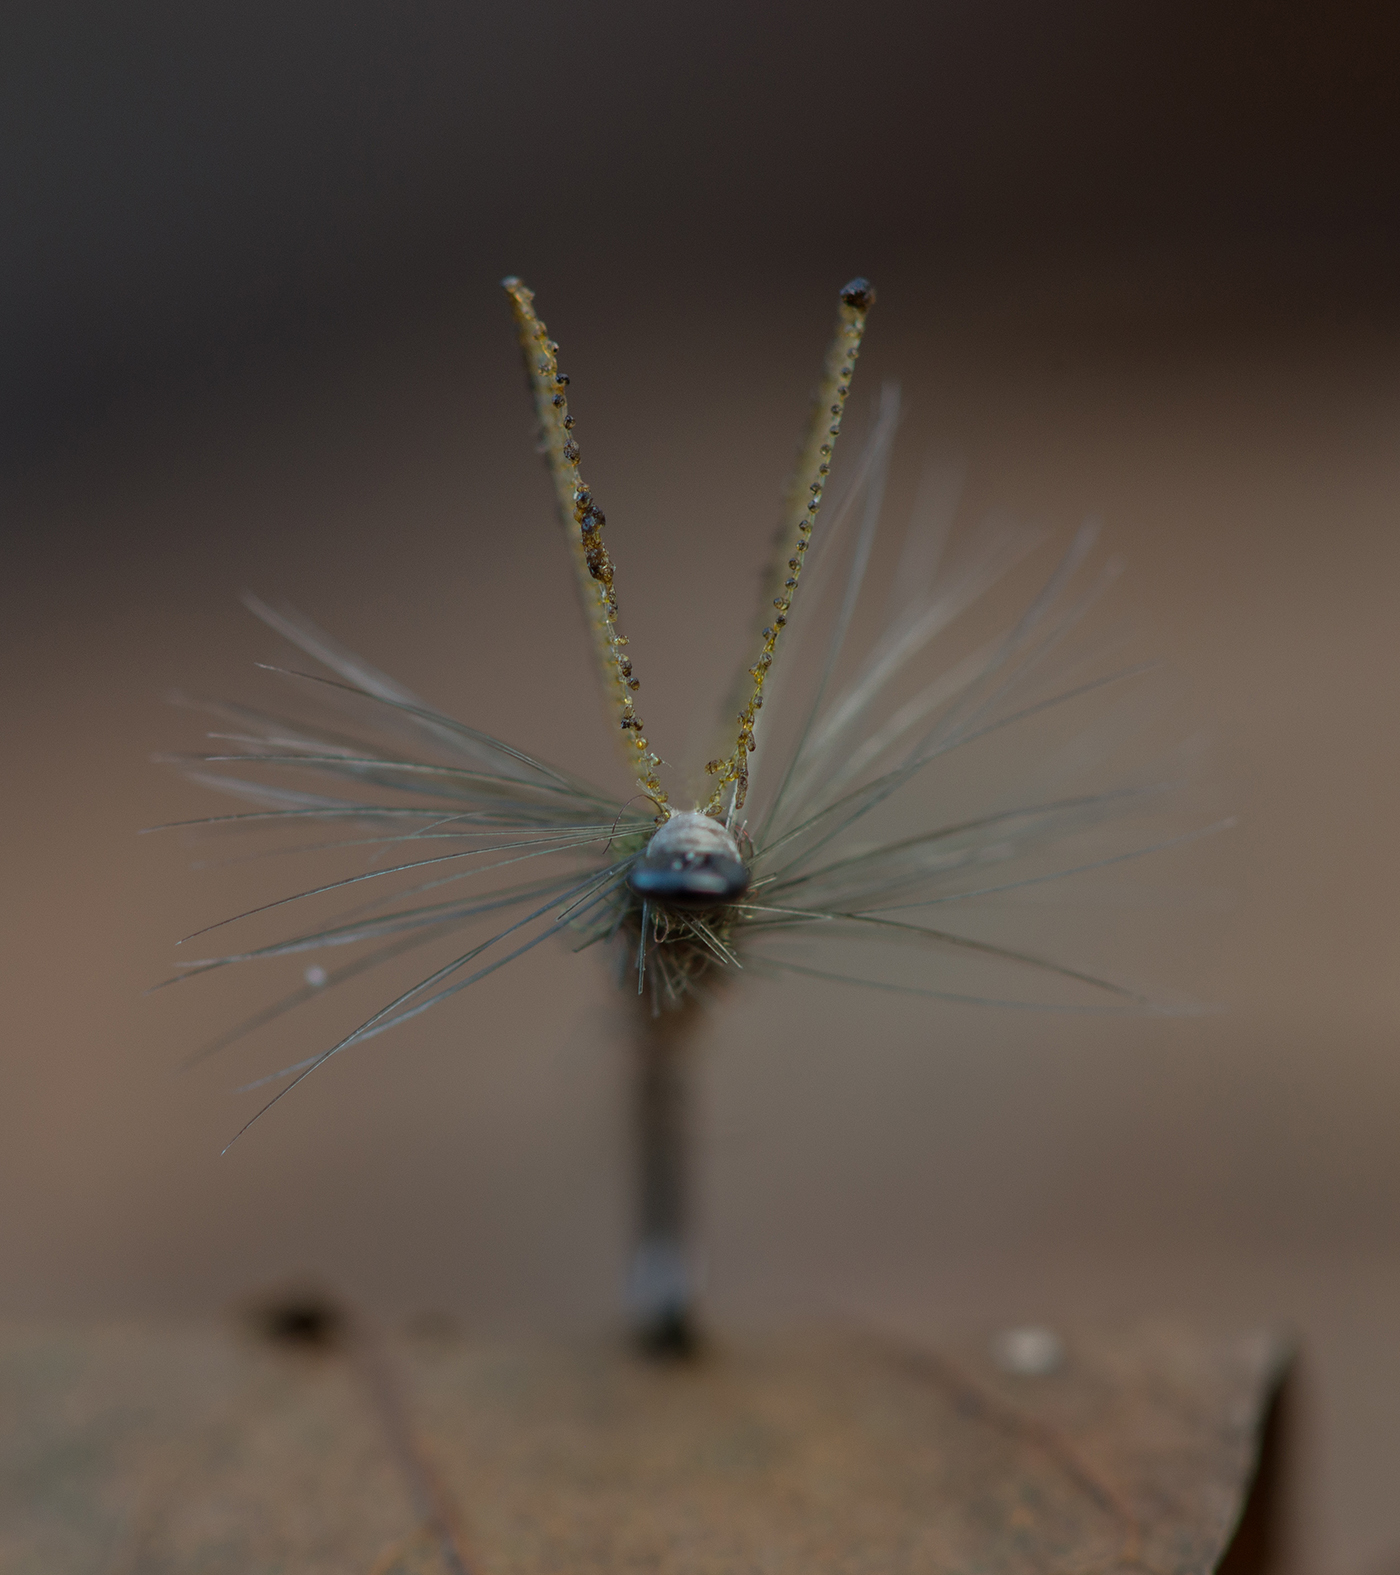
<point x="691" y="862"/>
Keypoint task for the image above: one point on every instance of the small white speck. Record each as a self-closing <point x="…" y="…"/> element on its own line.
<point x="315" y="977"/>
<point x="1030" y="1352"/>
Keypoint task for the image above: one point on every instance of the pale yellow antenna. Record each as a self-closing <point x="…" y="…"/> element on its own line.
<point x="583" y="522"/>
<point x="804" y="501"/>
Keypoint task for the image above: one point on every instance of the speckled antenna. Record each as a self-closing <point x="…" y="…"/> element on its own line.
<point x="803" y="504"/>
<point x="583" y="523"/>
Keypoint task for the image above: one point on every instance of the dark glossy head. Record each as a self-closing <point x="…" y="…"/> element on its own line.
<point x="691" y="862"/>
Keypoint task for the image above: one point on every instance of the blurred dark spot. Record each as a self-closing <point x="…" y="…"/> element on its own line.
<point x="670" y="1336"/>
<point x="304" y="1322"/>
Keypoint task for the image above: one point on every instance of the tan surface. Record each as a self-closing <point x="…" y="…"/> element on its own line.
<point x="140" y="1449"/>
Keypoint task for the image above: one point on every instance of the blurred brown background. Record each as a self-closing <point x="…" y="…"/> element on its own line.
<point x="1132" y="260"/>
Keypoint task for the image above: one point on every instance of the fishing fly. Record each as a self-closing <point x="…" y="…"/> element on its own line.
<point x="810" y="848"/>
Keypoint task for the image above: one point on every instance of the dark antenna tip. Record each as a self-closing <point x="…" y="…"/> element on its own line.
<point x="859" y="293"/>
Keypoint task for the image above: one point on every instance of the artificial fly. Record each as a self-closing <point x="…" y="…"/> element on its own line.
<point x="806" y="852"/>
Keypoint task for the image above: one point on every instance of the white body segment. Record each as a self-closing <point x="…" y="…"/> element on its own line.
<point x="691" y="861"/>
<point x="690" y="834"/>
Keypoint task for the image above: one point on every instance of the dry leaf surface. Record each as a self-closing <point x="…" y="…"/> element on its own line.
<point x="140" y="1449"/>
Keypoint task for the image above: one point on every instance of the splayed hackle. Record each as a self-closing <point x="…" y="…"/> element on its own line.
<point x="814" y="856"/>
